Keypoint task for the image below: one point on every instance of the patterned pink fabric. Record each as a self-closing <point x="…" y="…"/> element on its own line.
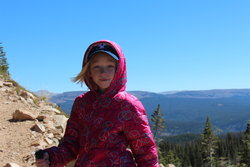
<point x="107" y="130"/>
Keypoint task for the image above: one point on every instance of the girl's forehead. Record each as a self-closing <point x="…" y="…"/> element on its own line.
<point x="102" y="57"/>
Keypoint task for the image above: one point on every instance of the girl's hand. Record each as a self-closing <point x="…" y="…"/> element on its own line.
<point x="43" y="162"/>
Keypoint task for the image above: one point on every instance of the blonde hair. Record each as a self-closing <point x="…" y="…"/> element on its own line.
<point x="82" y="75"/>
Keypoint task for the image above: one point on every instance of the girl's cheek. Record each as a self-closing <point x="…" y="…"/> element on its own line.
<point x="89" y="74"/>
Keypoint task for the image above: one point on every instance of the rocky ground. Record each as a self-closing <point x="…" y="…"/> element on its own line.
<point x="27" y="123"/>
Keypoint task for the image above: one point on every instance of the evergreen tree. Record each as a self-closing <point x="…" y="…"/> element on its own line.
<point x="171" y="158"/>
<point x="158" y="122"/>
<point x="157" y="127"/>
<point x="4" y="66"/>
<point x="246" y="141"/>
<point x="208" y="144"/>
<point x="189" y="152"/>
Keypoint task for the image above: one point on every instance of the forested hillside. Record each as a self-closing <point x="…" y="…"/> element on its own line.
<point x="185" y="111"/>
<point x="207" y="149"/>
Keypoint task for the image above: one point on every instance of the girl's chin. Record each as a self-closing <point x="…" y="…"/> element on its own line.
<point x="103" y="88"/>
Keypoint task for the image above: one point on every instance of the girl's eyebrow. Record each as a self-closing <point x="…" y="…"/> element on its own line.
<point x="95" y="61"/>
<point x="92" y="62"/>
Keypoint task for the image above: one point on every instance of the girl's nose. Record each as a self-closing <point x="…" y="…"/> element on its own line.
<point x="104" y="70"/>
<point x="107" y="70"/>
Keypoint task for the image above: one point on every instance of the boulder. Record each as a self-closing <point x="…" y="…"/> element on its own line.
<point x="29" y="159"/>
<point x="49" y="135"/>
<point x="30" y="101"/>
<point x="9" y="84"/>
<point x="41" y="117"/>
<point x="22" y="115"/>
<point x="22" y="100"/>
<point x="48" y="124"/>
<point x="11" y="165"/>
<point x="56" y="141"/>
<point x="38" y="128"/>
<point x="57" y="133"/>
<point x="60" y="122"/>
<point x="39" y="142"/>
<point x="48" y="140"/>
<point x="27" y="95"/>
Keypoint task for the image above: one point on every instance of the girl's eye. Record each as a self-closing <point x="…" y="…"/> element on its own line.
<point x="106" y="68"/>
<point x="96" y="67"/>
<point x="111" y="66"/>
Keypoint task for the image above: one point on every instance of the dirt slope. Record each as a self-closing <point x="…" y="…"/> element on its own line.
<point x="19" y="139"/>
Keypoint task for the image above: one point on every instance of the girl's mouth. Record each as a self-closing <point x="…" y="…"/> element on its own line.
<point x="104" y="79"/>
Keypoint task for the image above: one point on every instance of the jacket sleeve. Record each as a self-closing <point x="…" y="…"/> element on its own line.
<point x="139" y="135"/>
<point x="68" y="149"/>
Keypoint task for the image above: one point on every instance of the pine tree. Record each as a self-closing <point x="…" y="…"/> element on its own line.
<point x="171" y="158"/>
<point x="246" y="141"/>
<point x="4" y="66"/>
<point x="157" y="127"/>
<point x="158" y="122"/>
<point x="208" y="144"/>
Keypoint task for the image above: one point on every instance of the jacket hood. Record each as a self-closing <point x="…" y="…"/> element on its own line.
<point x="120" y="79"/>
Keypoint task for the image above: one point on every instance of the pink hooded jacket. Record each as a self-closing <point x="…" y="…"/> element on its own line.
<point x="107" y="130"/>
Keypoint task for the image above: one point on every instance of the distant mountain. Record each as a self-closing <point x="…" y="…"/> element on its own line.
<point x="216" y="93"/>
<point x="65" y="100"/>
<point x="45" y="93"/>
<point x="186" y="111"/>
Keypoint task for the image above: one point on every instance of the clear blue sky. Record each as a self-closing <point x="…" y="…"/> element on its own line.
<point x="169" y="44"/>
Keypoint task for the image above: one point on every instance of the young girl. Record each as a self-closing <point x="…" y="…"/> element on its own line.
<point x="107" y="127"/>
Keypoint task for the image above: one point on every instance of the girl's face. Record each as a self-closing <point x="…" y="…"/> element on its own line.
<point x="102" y="70"/>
